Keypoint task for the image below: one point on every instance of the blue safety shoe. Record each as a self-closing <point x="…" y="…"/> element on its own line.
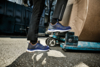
<point x="58" y="28"/>
<point x="37" y="47"/>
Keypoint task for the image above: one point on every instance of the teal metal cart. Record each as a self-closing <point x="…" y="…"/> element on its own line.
<point x="68" y="41"/>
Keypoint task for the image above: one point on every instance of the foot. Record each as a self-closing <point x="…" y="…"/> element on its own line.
<point x="37" y="47"/>
<point x="58" y="28"/>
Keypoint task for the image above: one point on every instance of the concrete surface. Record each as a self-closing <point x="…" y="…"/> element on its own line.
<point x="13" y="54"/>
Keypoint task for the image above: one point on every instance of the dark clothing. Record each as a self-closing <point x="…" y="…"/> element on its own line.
<point x="34" y="22"/>
<point x="37" y="12"/>
<point x="59" y="9"/>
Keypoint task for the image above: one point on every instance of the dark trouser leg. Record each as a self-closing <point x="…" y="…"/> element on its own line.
<point x="34" y="22"/>
<point x="54" y="20"/>
<point x="59" y="10"/>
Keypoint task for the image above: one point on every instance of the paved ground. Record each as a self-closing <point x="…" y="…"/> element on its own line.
<point x="13" y="54"/>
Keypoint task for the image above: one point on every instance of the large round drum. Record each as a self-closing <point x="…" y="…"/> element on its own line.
<point x="85" y="19"/>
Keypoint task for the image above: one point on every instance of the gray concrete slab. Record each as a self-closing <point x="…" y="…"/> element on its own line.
<point x="13" y="54"/>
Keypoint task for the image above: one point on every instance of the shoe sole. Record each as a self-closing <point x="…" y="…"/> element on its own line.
<point x="36" y="50"/>
<point x="58" y="30"/>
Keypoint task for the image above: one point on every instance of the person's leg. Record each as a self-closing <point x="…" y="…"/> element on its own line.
<point x="59" y="10"/>
<point x="55" y="26"/>
<point x="54" y="20"/>
<point x="38" y="6"/>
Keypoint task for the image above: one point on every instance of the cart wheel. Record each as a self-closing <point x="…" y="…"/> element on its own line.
<point x="51" y="42"/>
<point x="65" y="50"/>
<point x="47" y="40"/>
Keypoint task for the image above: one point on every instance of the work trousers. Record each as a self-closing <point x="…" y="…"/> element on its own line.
<point x="36" y="15"/>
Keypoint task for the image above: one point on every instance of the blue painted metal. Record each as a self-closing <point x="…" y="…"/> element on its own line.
<point x="18" y="17"/>
<point x="58" y="38"/>
<point x="63" y="39"/>
<point x="82" y="45"/>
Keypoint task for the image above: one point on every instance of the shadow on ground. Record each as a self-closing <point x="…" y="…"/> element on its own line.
<point x="57" y="58"/>
<point x="38" y="59"/>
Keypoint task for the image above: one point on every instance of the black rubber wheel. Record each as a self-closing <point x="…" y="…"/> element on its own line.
<point x="65" y="50"/>
<point x="47" y="40"/>
<point x="51" y="42"/>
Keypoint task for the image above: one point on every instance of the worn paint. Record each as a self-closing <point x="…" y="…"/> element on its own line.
<point x="82" y="45"/>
